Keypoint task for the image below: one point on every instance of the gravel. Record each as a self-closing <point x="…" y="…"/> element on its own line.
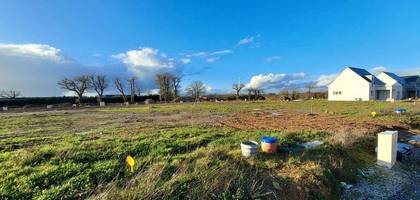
<point x="402" y="182"/>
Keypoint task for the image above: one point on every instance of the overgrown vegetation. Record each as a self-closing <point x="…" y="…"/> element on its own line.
<point x="78" y="155"/>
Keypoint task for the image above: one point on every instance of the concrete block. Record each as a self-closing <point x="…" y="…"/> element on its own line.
<point x="102" y="104"/>
<point x="387" y="148"/>
<point x="49" y="106"/>
<point x="5" y="108"/>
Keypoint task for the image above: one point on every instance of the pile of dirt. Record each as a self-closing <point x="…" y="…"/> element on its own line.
<point x="295" y="121"/>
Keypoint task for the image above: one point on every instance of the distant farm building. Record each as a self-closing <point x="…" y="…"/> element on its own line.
<point x="354" y="84"/>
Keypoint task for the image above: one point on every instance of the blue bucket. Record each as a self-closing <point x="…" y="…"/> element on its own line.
<point x="400" y="110"/>
<point x="269" y="140"/>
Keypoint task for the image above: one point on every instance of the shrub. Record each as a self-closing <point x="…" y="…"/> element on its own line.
<point x="348" y="136"/>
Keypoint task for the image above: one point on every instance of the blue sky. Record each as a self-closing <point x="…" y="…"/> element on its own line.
<point x="202" y="39"/>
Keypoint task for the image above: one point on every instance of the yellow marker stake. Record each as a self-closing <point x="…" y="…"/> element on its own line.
<point x="373" y="114"/>
<point x="130" y="162"/>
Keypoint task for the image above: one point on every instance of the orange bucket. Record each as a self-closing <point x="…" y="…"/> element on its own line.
<point x="268" y="144"/>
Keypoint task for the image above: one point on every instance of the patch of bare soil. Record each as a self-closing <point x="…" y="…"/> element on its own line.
<point x="295" y="121"/>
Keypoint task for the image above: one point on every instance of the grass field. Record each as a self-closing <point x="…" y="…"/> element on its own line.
<point x="190" y="150"/>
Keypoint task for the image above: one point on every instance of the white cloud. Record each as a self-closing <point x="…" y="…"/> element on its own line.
<point x="273" y="58"/>
<point x="40" y="51"/>
<point x="185" y="60"/>
<point x="96" y="55"/>
<point x="270" y="81"/>
<point x="408" y="71"/>
<point x="216" y="90"/>
<point x="147" y="57"/>
<point x="199" y="54"/>
<point x="204" y="55"/>
<point x="146" y="62"/>
<point x="325" y="80"/>
<point x="35" y="69"/>
<point x="73" y="94"/>
<point x="377" y="70"/>
<point x="210" y="60"/>
<point x="248" y="40"/>
<point x="397" y="70"/>
<point x="226" y="51"/>
<point x="208" y="87"/>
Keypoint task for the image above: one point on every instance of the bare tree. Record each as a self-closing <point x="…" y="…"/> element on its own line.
<point x="238" y="87"/>
<point x="250" y="90"/>
<point x="13" y="94"/>
<point x="196" y="89"/>
<point x="256" y="92"/>
<point x="132" y="88"/>
<point x="310" y="86"/>
<point x="120" y="87"/>
<point x="78" y="85"/>
<point x="295" y="94"/>
<point x="139" y="91"/>
<point x="176" y="84"/>
<point x="164" y="82"/>
<point x="99" y="83"/>
<point x="285" y="92"/>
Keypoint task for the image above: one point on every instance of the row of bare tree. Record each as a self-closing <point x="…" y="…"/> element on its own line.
<point x="81" y="84"/>
<point x="293" y="94"/>
<point x="12" y="94"/>
<point x="169" y="87"/>
<point x="252" y="92"/>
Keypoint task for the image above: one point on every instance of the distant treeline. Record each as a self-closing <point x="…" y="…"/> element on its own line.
<point x="38" y="101"/>
<point x="41" y="101"/>
<point x="294" y="95"/>
<point x="272" y="96"/>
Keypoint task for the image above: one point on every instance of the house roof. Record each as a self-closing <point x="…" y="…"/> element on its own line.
<point x="361" y="72"/>
<point x="410" y="78"/>
<point x="378" y="82"/>
<point x="395" y="77"/>
<point x="364" y="74"/>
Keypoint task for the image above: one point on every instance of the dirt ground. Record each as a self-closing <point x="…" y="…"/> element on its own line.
<point x="398" y="183"/>
<point x="295" y="121"/>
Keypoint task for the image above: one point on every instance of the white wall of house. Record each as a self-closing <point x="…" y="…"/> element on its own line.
<point x="395" y="88"/>
<point x="349" y="86"/>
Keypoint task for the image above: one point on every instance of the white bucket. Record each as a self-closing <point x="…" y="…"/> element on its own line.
<point x="249" y="148"/>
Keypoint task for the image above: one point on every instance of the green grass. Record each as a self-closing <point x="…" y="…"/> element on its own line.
<point x="350" y="109"/>
<point x="70" y="156"/>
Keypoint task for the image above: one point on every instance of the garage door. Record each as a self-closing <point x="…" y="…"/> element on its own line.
<point x="382" y="94"/>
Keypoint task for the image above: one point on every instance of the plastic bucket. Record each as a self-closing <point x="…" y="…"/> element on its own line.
<point x="249" y="148"/>
<point x="268" y="144"/>
<point x="400" y="110"/>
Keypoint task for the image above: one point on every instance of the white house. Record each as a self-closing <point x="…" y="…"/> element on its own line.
<point x="355" y="84"/>
<point x="392" y="90"/>
<point x="411" y="86"/>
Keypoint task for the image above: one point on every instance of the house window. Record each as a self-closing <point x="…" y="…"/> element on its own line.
<point x="337" y="92"/>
